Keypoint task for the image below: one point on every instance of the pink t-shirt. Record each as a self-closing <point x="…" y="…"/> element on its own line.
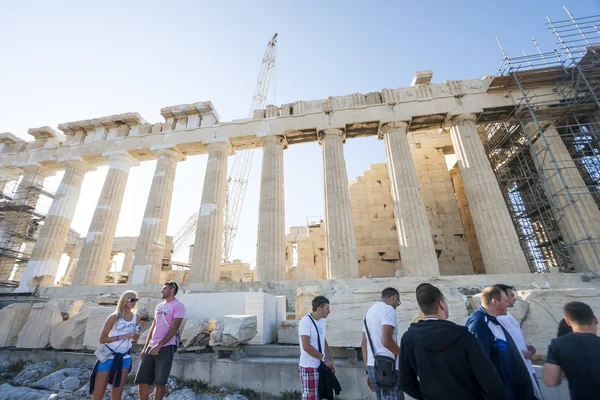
<point x="166" y="311"/>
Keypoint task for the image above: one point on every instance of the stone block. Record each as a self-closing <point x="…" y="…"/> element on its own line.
<point x="304" y="298"/>
<point x="197" y="331"/>
<point x="95" y="322"/>
<point x="233" y="330"/>
<point x="69" y="335"/>
<point x="69" y="308"/>
<point x="215" y="305"/>
<point x="42" y="319"/>
<point x="108" y="299"/>
<point x="146" y="307"/>
<point x="288" y="332"/>
<point x="13" y="317"/>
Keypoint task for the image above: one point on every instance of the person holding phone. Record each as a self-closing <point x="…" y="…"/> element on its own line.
<point x="120" y="330"/>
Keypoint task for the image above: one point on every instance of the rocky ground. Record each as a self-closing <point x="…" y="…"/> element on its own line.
<point x="48" y="380"/>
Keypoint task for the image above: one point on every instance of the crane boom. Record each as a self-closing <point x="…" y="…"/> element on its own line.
<point x="238" y="177"/>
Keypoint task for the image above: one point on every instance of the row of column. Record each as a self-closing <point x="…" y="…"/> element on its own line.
<point x="498" y="240"/>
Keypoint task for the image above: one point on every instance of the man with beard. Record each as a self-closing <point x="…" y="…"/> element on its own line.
<point x="161" y="345"/>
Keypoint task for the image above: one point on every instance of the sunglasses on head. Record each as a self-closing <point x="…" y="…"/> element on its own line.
<point x="134" y="300"/>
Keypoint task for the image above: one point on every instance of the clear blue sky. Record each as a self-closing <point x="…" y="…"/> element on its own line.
<point x="70" y="60"/>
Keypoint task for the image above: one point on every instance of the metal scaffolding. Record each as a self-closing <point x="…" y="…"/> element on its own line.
<point x="23" y="208"/>
<point x="560" y="88"/>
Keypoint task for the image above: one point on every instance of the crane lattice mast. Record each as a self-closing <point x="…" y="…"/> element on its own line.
<point x="238" y="178"/>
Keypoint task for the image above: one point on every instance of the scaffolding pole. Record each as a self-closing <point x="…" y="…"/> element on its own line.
<point x="537" y="182"/>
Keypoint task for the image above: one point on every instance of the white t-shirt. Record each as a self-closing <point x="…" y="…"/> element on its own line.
<point x="122" y="328"/>
<point x="514" y="329"/>
<point x="378" y="315"/>
<point x="306" y="328"/>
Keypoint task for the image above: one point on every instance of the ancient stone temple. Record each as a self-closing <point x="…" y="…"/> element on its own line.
<point x="487" y="180"/>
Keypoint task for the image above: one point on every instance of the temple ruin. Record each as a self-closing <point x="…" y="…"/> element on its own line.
<point x="520" y="205"/>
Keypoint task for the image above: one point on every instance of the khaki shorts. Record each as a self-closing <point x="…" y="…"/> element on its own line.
<point x="156" y="369"/>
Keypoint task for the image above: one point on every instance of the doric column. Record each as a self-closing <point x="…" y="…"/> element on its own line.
<point x="340" y="243"/>
<point x="127" y="262"/>
<point x="67" y="278"/>
<point x="95" y="254"/>
<point x="417" y="251"/>
<point x="496" y="234"/>
<point x="44" y="261"/>
<point x="16" y="221"/>
<point x="573" y="206"/>
<point x="208" y="244"/>
<point x="149" y="249"/>
<point x="270" y="254"/>
<point x="467" y="221"/>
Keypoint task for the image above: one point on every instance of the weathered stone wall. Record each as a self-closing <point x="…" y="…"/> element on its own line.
<point x="310" y="245"/>
<point x="375" y="227"/>
<point x="374" y="223"/>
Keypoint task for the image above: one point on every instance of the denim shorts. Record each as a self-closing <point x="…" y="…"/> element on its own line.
<point x="105" y="366"/>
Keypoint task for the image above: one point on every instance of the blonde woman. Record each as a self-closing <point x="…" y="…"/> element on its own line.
<point x="120" y="329"/>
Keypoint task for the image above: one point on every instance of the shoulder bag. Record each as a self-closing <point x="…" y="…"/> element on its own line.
<point x="385" y="367"/>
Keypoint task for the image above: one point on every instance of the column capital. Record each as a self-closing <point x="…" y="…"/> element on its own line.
<point x="168" y="151"/>
<point x="331" y="132"/>
<point x="279" y="139"/>
<point x="392" y="126"/>
<point x="218" y="144"/>
<point x="78" y="162"/>
<point x="9" y="174"/>
<point x="462" y="119"/>
<point x="121" y="156"/>
<point x="38" y="169"/>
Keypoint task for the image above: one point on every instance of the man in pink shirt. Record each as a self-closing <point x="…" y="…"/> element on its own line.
<point x="161" y="345"/>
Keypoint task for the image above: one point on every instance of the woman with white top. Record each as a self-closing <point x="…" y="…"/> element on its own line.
<point x="120" y="330"/>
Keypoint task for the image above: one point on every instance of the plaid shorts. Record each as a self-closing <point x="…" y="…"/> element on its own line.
<point x="394" y="394"/>
<point x="309" y="378"/>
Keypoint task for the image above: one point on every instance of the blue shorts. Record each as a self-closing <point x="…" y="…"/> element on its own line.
<point x="105" y="366"/>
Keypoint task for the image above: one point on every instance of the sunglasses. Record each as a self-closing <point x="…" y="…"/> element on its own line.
<point x="134" y="300"/>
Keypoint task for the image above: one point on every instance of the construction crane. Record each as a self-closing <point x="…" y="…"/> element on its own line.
<point x="238" y="177"/>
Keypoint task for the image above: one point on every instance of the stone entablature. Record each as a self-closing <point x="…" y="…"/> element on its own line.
<point x="422" y="106"/>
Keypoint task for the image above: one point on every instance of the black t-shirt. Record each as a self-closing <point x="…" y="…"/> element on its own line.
<point x="578" y="355"/>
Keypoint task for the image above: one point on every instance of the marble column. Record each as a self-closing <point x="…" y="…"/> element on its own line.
<point x="44" y="261"/>
<point x="67" y="278"/>
<point x="340" y="243"/>
<point x="467" y="220"/>
<point x="149" y="250"/>
<point x="572" y="204"/>
<point x="127" y="262"/>
<point x="496" y="234"/>
<point x="270" y="254"/>
<point x="16" y="221"/>
<point x="96" y="251"/>
<point x="208" y="245"/>
<point x="417" y="251"/>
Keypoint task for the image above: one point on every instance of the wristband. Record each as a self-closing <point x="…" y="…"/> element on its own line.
<point x="367" y="372"/>
<point x="324" y="359"/>
<point x="117" y="338"/>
